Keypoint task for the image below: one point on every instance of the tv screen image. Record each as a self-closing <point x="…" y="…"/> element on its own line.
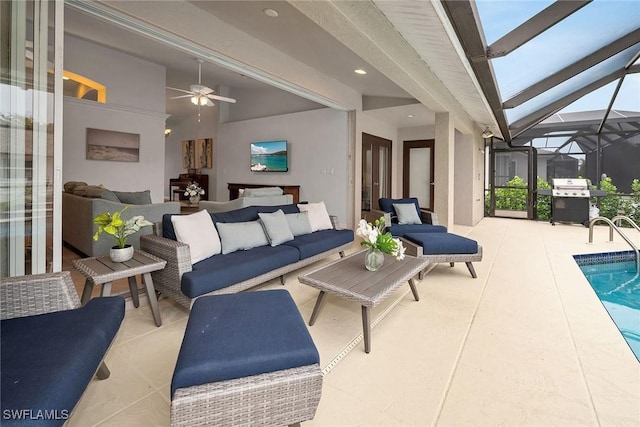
<point x="269" y="156"/>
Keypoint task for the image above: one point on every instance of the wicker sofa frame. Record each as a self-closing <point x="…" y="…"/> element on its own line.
<point x="168" y="280"/>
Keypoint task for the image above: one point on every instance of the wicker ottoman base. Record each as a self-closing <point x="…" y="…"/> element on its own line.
<point x="277" y="398"/>
<point x="246" y="359"/>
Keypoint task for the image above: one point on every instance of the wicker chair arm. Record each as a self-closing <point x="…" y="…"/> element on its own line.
<point x="428" y="217"/>
<point x="178" y="257"/>
<point x="37" y="294"/>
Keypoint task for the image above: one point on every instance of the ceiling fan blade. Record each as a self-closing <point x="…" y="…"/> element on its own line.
<point x="209" y="103"/>
<point x="179" y="90"/>
<point x="221" y="98"/>
<point x="200" y="89"/>
<point x="182" y="96"/>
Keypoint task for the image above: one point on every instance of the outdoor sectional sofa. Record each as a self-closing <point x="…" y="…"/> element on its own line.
<point x="238" y="270"/>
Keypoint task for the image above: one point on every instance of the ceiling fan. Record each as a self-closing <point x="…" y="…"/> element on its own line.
<point x="200" y="95"/>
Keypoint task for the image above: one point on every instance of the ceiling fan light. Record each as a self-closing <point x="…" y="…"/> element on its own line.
<point x="203" y="100"/>
<point x="194" y="100"/>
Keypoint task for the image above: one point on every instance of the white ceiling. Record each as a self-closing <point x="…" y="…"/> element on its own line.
<point x="310" y="44"/>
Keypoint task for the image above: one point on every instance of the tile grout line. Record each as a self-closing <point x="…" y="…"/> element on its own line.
<point x="352" y="344"/>
<point x="456" y="363"/>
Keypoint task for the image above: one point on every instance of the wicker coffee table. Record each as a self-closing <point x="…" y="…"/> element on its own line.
<point x="348" y="278"/>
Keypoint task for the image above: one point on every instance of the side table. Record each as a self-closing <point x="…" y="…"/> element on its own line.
<point x="103" y="271"/>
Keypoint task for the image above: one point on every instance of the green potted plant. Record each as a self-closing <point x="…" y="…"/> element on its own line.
<point x="120" y="230"/>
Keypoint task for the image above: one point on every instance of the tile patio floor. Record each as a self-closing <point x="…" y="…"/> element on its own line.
<point x="527" y="343"/>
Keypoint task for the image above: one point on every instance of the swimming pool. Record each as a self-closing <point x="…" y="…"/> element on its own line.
<point x="615" y="280"/>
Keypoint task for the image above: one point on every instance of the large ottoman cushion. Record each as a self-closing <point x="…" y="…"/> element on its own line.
<point x="443" y="243"/>
<point x="239" y="335"/>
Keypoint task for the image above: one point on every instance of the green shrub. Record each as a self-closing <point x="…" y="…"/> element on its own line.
<point x="544" y="202"/>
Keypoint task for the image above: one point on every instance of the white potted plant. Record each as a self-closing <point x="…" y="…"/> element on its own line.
<point x="379" y="242"/>
<point x="120" y="230"/>
<point x="193" y="192"/>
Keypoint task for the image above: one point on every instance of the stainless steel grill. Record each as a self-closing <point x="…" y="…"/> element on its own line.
<point x="570" y="201"/>
<point x="570" y="187"/>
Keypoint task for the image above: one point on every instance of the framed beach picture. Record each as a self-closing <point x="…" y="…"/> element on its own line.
<point x="204" y="153"/>
<point x="112" y="145"/>
<point x="269" y="156"/>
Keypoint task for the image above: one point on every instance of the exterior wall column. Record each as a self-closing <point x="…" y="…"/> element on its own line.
<point x="444" y="160"/>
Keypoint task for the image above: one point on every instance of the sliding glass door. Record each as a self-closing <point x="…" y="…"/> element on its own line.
<point x="29" y="111"/>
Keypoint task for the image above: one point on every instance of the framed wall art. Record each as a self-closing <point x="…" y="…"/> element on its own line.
<point x="113" y="145"/>
<point x="204" y="153"/>
<point x="189" y="154"/>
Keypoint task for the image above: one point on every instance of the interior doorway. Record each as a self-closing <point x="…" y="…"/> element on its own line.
<point x="376" y="170"/>
<point x="418" y="179"/>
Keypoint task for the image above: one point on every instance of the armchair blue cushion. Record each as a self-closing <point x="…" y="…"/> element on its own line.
<point x="399" y="230"/>
<point x="386" y="204"/>
<point x="47" y="360"/>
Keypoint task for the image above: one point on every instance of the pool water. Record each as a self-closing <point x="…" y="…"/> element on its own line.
<point x="615" y="280"/>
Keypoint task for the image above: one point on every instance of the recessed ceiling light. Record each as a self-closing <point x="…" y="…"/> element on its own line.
<point x="360" y="71"/>
<point x="270" y="12"/>
<point x="411" y="116"/>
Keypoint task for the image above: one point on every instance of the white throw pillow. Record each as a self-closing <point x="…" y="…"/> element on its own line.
<point x="318" y="216"/>
<point x="407" y="213"/>
<point x="197" y="231"/>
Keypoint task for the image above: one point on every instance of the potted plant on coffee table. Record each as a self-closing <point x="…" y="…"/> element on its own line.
<point x="120" y="230"/>
<point x="379" y="243"/>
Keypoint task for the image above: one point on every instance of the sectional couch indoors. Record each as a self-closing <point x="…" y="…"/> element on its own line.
<point x="228" y="252"/>
<point x="81" y="203"/>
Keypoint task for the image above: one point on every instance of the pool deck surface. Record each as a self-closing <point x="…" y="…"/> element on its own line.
<point x="527" y="343"/>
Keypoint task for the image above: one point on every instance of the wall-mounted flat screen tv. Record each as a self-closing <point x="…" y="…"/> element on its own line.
<point x="269" y="156"/>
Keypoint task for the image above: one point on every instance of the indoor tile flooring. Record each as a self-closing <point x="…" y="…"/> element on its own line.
<point x="527" y="343"/>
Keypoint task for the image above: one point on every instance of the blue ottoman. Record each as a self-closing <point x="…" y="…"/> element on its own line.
<point x="246" y="359"/>
<point x="446" y="247"/>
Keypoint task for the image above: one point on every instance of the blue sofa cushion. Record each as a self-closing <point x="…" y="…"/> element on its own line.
<point x="239" y="335"/>
<point x="167" y="227"/>
<point x="249" y="213"/>
<point x="319" y="241"/>
<point x="386" y="205"/>
<point x="400" y="230"/>
<point x="443" y="243"/>
<point x="287" y="209"/>
<point x="48" y="360"/>
<point x="220" y="271"/>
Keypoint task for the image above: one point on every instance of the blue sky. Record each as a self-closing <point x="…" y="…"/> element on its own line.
<point x="588" y="29"/>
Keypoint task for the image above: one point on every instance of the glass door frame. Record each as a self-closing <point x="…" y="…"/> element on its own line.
<point x="532" y="179"/>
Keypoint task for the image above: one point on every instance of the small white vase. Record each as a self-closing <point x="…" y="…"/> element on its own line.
<point x="121" y="254"/>
<point x="374" y="259"/>
<point x="194" y="200"/>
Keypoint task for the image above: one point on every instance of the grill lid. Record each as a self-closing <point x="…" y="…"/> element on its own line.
<point x="570" y="187"/>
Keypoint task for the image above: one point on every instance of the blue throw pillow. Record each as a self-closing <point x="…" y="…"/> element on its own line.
<point x="250" y="213"/>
